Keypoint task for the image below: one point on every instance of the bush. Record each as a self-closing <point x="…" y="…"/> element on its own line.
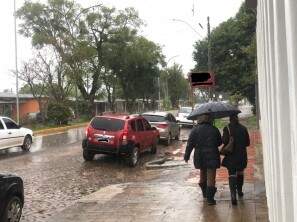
<point x="59" y="113"/>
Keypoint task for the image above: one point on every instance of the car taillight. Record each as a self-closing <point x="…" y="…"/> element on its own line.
<point x="88" y="134"/>
<point x="125" y="138"/>
<point x="163" y="126"/>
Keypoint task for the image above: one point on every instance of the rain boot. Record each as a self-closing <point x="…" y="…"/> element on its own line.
<point x="232" y="185"/>
<point x="240" y="179"/>
<point x="210" y="192"/>
<point x="203" y="189"/>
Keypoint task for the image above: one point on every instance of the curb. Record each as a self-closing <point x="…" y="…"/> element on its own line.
<point x="58" y="129"/>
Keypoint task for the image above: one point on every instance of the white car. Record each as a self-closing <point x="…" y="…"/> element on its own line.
<point x="182" y="115"/>
<point x="13" y="135"/>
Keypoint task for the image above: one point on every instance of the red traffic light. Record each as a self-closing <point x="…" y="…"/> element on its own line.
<point x="201" y="79"/>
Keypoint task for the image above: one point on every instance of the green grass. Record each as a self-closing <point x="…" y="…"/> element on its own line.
<point x="221" y="123"/>
<point x="250" y="123"/>
<point x="50" y="125"/>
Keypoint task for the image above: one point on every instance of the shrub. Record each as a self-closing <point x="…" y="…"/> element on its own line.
<point x="59" y="113"/>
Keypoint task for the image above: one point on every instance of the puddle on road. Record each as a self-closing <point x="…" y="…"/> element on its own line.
<point x="44" y="142"/>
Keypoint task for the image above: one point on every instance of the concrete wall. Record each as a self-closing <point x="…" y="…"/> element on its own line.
<point x="277" y="68"/>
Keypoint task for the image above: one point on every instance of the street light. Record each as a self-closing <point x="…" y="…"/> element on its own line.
<point x="188" y="24"/>
<point x="16" y="64"/>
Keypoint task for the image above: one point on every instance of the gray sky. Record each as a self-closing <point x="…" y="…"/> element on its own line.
<point x="176" y="38"/>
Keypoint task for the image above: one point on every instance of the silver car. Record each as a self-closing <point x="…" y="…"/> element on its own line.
<point x="166" y="124"/>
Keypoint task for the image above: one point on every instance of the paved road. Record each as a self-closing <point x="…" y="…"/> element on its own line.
<point x="55" y="174"/>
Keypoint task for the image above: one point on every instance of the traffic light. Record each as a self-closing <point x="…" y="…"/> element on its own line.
<point x="201" y="79"/>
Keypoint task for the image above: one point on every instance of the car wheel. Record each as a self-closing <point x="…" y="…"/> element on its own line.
<point x="168" y="141"/>
<point x="154" y="146"/>
<point x="27" y="143"/>
<point x="13" y="210"/>
<point x="178" y="135"/>
<point x="133" y="158"/>
<point x="88" y="156"/>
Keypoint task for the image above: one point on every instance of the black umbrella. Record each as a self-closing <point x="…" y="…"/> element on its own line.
<point x="215" y="109"/>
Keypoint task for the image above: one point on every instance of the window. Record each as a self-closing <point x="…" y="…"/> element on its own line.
<point x="1" y="126"/>
<point x="146" y="125"/>
<point x="107" y="124"/>
<point x="133" y="125"/>
<point x="168" y="118"/>
<point x="153" y="118"/>
<point x="10" y="124"/>
<point x="139" y="125"/>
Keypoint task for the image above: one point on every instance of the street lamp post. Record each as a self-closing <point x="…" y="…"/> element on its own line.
<point x="16" y="65"/>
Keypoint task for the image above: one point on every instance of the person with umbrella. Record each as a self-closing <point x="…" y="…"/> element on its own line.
<point x="205" y="139"/>
<point x="236" y="161"/>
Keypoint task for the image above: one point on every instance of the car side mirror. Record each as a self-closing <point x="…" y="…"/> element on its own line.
<point x="153" y="128"/>
<point x="20" y="126"/>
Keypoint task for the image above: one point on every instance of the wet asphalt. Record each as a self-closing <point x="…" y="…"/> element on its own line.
<point x="55" y="174"/>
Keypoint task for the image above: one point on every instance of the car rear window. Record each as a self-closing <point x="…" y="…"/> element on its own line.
<point x="107" y="124"/>
<point x="153" y="118"/>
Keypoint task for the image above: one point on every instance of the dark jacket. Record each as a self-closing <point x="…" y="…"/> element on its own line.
<point x="205" y="139"/>
<point x="238" y="159"/>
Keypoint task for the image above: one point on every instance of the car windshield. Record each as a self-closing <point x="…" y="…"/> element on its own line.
<point x="107" y="124"/>
<point x="153" y="118"/>
<point x="185" y="110"/>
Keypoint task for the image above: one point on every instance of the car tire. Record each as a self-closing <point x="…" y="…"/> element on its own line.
<point x="154" y="146"/>
<point x="87" y="155"/>
<point x="27" y="143"/>
<point x="133" y="157"/>
<point x="13" y="210"/>
<point x="168" y="140"/>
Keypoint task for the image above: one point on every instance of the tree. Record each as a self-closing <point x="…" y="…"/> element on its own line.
<point x="78" y="36"/>
<point x="177" y="84"/>
<point x="36" y="84"/>
<point x="233" y="54"/>
<point x="136" y="65"/>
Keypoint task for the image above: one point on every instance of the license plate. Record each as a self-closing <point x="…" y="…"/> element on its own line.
<point x="102" y="139"/>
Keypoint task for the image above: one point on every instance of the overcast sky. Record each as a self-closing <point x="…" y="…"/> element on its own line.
<point x="176" y="38"/>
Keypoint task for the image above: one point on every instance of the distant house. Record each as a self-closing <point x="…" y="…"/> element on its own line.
<point x="28" y="104"/>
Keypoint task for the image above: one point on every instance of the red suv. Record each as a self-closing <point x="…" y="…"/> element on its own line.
<point x="127" y="135"/>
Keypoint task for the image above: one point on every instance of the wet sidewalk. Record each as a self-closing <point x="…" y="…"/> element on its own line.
<point x="173" y="196"/>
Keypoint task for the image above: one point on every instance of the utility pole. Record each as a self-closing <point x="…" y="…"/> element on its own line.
<point x="209" y="45"/>
<point x="210" y="90"/>
<point x="16" y="64"/>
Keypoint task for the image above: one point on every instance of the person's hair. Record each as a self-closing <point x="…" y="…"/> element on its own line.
<point x="205" y="118"/>
<point x="234" y="118"/>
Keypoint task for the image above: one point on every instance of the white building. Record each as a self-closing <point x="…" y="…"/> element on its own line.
<point x="277" y="69"/>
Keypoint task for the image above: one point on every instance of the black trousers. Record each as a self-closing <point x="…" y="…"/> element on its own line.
<point x="233" y="171"/>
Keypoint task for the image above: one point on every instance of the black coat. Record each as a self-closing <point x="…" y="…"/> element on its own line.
<point x="205" y="139"/>
<point x="238" y="159"/>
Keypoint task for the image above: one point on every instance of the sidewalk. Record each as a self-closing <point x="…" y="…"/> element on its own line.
<point x="174" y="196"/>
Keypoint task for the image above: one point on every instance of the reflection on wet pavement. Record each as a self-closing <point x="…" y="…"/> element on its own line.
<point x="45" y="142"/>
<point x="55" y="174"/>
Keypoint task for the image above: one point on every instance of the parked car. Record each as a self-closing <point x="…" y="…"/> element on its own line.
<point x="127" y="135"/>
<point x="13" y="135"/>
<point x="182" y="115"/>
<point x="166" y="123"/>
<point x="11" y="198"/>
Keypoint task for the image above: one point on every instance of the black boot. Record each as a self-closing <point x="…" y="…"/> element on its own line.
<point x="232" y="185"/>
<point x="240" y="179"/>
<point x="210" y="192"/>
<point x="203" y="189"/>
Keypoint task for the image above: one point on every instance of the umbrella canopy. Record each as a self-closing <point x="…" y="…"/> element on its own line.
<point x="215" y="109"/>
